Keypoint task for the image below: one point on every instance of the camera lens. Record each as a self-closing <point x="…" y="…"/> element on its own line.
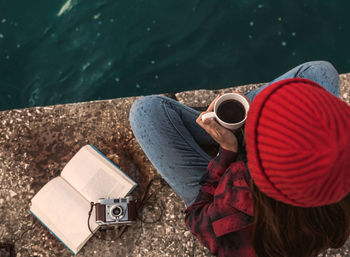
<point x="117" y="211"/>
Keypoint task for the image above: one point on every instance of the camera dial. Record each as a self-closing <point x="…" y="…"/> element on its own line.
<point x="117" y="212"/>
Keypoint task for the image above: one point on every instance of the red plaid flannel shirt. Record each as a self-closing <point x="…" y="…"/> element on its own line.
<point x="222" y="215"/>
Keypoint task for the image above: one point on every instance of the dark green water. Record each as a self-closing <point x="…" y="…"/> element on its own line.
<point x="62" y="51"/>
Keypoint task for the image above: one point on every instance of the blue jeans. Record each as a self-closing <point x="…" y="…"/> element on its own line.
<point x="170" y="137"/>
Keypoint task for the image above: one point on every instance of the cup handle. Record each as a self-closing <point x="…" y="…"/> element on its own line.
<point x="209" y="115"/>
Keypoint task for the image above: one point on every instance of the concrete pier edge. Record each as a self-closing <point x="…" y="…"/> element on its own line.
<point x="36" y="143"/>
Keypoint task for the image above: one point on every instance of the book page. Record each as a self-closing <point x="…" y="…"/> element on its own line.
<point x="95" y="177"/>
<point x="65" y="212"/>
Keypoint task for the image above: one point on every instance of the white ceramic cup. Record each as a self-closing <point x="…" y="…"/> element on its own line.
<point x="228" y="96"/>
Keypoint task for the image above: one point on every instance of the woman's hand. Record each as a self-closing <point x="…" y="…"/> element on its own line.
<point x="224" y="137"/>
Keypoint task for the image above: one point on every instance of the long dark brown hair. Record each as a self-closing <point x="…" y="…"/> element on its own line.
<point x="282" y="230"/>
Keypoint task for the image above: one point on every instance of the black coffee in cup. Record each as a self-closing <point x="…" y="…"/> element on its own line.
<point x="231" y="111"/>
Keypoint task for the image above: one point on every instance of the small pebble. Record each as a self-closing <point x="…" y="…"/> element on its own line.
<point x="12" y="193"/>
<point x="187" y="233"/>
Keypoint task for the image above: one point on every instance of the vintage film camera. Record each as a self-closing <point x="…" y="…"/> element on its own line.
<point x="119" y="211"/>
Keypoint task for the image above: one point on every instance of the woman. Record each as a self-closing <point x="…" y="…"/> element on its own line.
<point x="293" y="200"/>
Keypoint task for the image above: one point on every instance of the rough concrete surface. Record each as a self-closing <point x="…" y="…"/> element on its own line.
<point x="36" y="143"/>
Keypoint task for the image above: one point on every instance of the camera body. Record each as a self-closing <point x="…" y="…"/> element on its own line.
<point x="118" y="211"/>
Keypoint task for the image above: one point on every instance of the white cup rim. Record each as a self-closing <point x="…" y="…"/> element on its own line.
<point x="237" y="97"/>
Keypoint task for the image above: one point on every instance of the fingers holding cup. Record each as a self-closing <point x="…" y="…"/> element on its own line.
<point x="212" y="104"/>
<point x="209" y="113"/>
<point x="224" y="137"/>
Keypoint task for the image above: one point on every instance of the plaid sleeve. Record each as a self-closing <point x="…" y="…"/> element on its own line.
<point x="211" y="217"/>
<point x="216" y="169"/>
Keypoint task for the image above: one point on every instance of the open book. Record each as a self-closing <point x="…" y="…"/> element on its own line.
<point x="62" y="205"/>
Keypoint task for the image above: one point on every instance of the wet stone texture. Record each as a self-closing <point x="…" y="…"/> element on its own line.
<point x="36" y="143"/>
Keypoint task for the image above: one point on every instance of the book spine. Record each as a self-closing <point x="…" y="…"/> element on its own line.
<point x="52" y="232"/>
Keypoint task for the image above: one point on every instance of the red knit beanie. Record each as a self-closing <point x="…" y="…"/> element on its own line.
<point x="298" y="143"/>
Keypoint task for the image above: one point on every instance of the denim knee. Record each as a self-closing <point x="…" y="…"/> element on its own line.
<point x="322" y="66"/>
<point x="323" y="73"/>
<point x="142" y="106"/>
